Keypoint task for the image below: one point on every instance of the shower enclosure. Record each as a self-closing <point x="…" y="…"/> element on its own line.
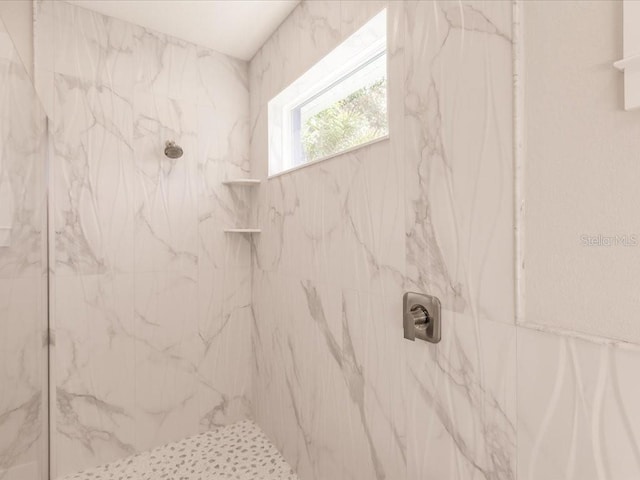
<point x="158" y="284"/>
<point x="166" y="326"/>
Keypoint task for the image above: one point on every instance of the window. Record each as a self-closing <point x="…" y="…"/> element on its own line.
<point x="338" y="105"/>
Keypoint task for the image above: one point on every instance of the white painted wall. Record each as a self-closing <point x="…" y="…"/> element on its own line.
<point x="582" y="171"/>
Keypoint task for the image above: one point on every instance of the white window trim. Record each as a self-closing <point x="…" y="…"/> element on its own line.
<point x="329" y="157"/>
<point x="359" y="50"/>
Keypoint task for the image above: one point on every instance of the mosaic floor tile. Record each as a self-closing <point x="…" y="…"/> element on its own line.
<point x="240" y="451"/>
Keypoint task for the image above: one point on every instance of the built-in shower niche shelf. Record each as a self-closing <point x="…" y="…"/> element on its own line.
<point x="242" y="182"/>
<point x="242" y="230"/>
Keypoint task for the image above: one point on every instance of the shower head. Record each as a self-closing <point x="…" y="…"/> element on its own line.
<point x="172" y="149"/>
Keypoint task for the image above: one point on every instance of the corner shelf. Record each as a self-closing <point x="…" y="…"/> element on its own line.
<point x="242" y="230"/>
<point x="246" y="182"/>
<point x="242" y="182"/>
<point x="627" y="62"/>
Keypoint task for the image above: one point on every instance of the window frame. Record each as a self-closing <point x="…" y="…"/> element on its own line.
<point x="296" y="112"/>
<point x="360" y="50"/>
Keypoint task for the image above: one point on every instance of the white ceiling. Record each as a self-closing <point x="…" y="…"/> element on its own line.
<point x="235" y="27"/>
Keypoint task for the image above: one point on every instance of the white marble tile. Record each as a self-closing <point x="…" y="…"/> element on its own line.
<point x="93" y="178"/>
<point x="166" y="66"/>
<point x="166" y="209"/>
<point x="302" y="227"/>
<point x="23" y="287"/>
<point x="224" y="81"/>
<point x="44" y="18"/>
<point x="377" y="343"/>
<point x="167" y="354"/>
<point x="372" y="244"/>
<point x="92" y="366"/>
<point x="462" y="402"/>
<point x="316" y="28"/>
<point x="93" y="47"/>
<point x="280" y="54"/>
<point x="326" y="266"/>
<point x="308" y="336"/>
<point x="355" y="13"/>
<point x="223" y="139"/>
<point x="22" y="168"/>
<point x="222" y="155"/>
<point x="458" y="141"/>
<point x="339" y="221"/>
<point x="25" y="471"/>
<point x="459" y="242"/>
<point x="577" y="408"/>
<point x="139" y="238"/>
<point x="225" y="326"/>
<point x="323" y="351"/>
<point x="22" y="361"/>
<point x="340" y="245"/>
<point x="131" y="377"/>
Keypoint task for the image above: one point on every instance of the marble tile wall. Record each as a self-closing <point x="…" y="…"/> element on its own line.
<point x="151" y="300"/>
<point x="431" y="209"/>
<point x="23" y="285"/>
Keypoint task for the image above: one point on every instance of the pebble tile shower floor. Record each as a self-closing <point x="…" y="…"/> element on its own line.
<point x="240" y="451"/>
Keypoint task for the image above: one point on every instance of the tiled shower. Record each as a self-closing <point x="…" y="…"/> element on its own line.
<point x="133" y="326"/>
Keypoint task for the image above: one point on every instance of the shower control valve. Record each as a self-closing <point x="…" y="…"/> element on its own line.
<point x="421" y="317"/>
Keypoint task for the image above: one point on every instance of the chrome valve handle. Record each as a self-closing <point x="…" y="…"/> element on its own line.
<point x="421" y="317"/>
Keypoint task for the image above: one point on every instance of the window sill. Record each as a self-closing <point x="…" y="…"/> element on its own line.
<point x="329" y="157"/>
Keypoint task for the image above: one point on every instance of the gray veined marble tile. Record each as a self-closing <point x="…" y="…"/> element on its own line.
<point x="21" y="357"/>
<point x="23" y="439"/>
<point x="462" y="402"/>
<point x="167" y="356"/>
<point x="223" y="154"/>
<point x="166" y="66"/>
<point x="22" y="174"/>
<point x="92" y="178"/>
<point x="91" y="47"/>
<point x="91" y="364"/>
<point x="332" y="261"/>
<point x="230" y="92"/>
<point x="166" y="196"/>
<point x="225" y="316"/>
<point x="321" y="366"/>
<point x="131" y="227"/>
<point x="458" y="141"/>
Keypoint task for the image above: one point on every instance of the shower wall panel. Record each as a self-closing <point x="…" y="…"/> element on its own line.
<point x="23" y="269"/>
<point x="335" y="384"/>
<point x="151" y="303"/>
<point x="430" y="209"/>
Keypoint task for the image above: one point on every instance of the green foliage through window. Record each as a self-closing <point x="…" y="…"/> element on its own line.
<point x="356" y="119"/>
